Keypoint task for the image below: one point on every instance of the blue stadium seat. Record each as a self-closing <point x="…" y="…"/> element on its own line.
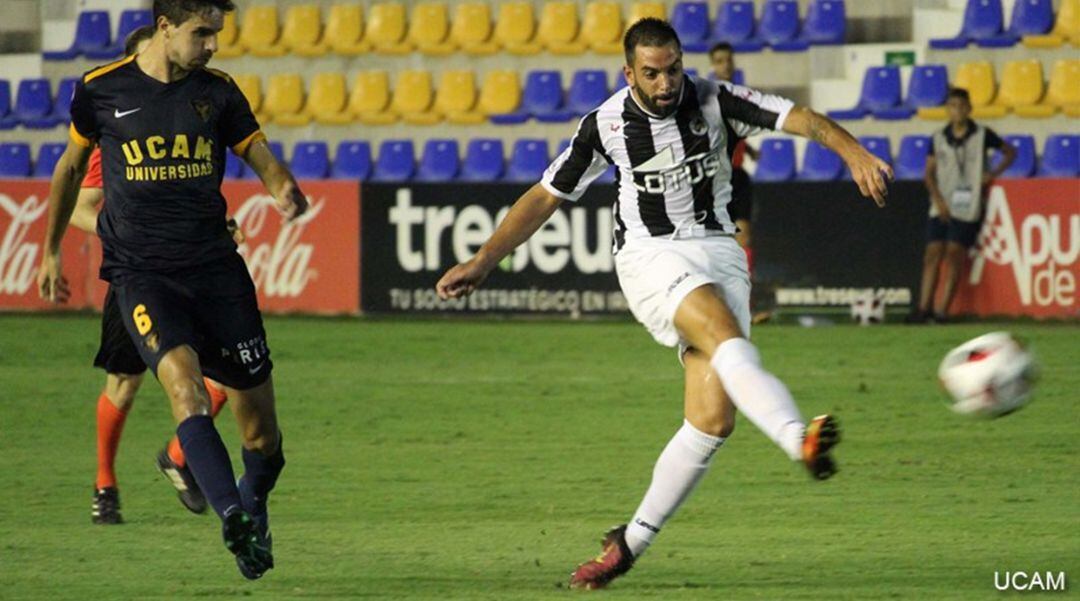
<point x="528" y="160"/>
<point x="911" y="158"/>
<point x="483" y="160"/>
<point x="33" y="104"/>
<point x="779" y="26"/>
<point x="619" y="82"/>
<point x="776" y="162"/>
<point x="734" y="24"/>
<point x="607" y="177"/>
<point x="542" y="97"/>
<point x="927" y="86"/>
<point x="691" y="22"/>
<point x="92" y="33"/>
<point x="1031" y="17"/>
<point x="130" y="20"/>
<point x="588" y="88"/>
<point x="692" y="72"/>
<point x="880" y="91"/>
<point x="310" y="160"/>
<point x="48" y="155"/>
<point x="738" y="78"/>
<point x="878" y="146"/>
<point x="7" y="119"/>
<point x="1024" y="165"/>
<point x="14" y="159"/>
<point x="276" y="148"/>
<point x="825" y="22"/>
<point x="352" y="160"/>
<point x="439" y="162"/>
<point x="62" y="104"/>
<point x="563" y="145"/>
<point x="983" y="20"/>
<point x="396" y="161"/>
<point x="234" y="166"/>
<point x="820" y="164"/>
<point x="1061" y="156"/>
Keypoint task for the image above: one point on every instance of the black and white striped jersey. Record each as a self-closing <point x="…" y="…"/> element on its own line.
<point x="673" y="174"/>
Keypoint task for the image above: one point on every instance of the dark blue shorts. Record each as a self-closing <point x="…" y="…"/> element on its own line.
<point x="117" y="353"/>
<point x="211" y="308"/>
<point x="963" y="233"/>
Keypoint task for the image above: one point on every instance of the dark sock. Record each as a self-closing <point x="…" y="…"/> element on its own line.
<point x="260" y="474"/>
<point x="208" y="460"/>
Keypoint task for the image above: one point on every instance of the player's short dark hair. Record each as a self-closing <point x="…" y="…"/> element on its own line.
<point x="135" y="37"/>
<point x="960" y="93"/>
<point x="720" y="46"/>
<point x="649" y="31"/>
<point x="178" y="11"/>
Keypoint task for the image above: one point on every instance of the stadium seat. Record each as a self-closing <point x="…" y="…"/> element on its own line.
<point x="429" y="29"/>
<point x="386" y="29"/>
<point x="228" y="38"/>
<point x="284" y="100"/>
<point x="825" y="23"/>
<point x="641" y="10"/>
<point x="820" y="164"/>
<point x="302" y="32"/>
<point x="345" y="30"/>
<point x="234" y="166"/>
<point x="1023" y="166"/>
<point x="588" y="89"/>
<point x="983" y="20"/>
<point x="880" y="93"/>
<point x="251" y="87"/>
<point x="978" y="79"/>
<point x="878" y="146"/>
<point x="14" y="159"/>
<point x="1022" y="88"/>
<point x="369" y="101"/>
<point x="310" y="160"/>
<point x="33" y="104"/>
<point x="558" y="30"/>
<point x="691" y="22"/>
<point x="500" y="97"/>
<point x="48" y="155"/>
<point x="130" y="20"/>
<point x="928" y="86"/>
<point x="528" y="160"/>
<point x="352" y="160"/>
<point x="543" y="97"/>
<point x="276" y="149"/>
<point x="776" y="162"/>
<point x="413" y="98"/>
<point x="779" y="26"/>
<point x="734" y="24"/>
<point x="93" y="33"/>
<point x="396" y="161"/>
<point x="602" y="28"/>
<point x="65" y="90"/>
<point x="439" y="162"/>
<point x="1066" y="27"/>
<point x="911" y="159"/>
<point x="456" y="98"/>
<point x="327" y="100"/>
<point x="259" y="31"/>
<point x="1029" y="17"/>
<point x="516" y="27"/>
<point x="471" y="29"/>
<point x="7" y="119"/>
<point x="1061" y="156"/>
<point x="483" y="161"/>
<point x="1063" y="92"/>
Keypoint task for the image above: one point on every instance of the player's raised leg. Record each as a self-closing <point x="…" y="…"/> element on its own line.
<point x="173" y="465"/>
<point x="112" y="409"/>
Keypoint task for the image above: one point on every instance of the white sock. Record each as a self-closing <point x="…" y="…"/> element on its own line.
<point x="684" y="461"/>
<point x="759" y="395"/>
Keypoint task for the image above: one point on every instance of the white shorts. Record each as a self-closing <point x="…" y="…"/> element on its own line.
<point x="656" y="274"/>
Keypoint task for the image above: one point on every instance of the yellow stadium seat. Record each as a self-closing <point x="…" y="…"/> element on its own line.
<point x="327" y="100"/>
<point x="1066" y="27"/>
<point x="1064" y="89"/>
<point x="370" y="98"/>
<point x="284" y="101"/>
<point x="413" y="94"/>
<point x="429" y="29"/>
<point x="1022" y="88"/>
<point x="386" y="29"/>
<point x="345" y="30"/>
<point x="602" y="27"/>
<point x="500" y="93"/>
<point x="516" y="27"/>
<point x="456" y="98"/>
<point x="302" y="32"/>
<point x="640" y="10"/>
<point x="251" y="86"/>
<point x="259" y="31"/>
<point x="228" y="38"/>
<point x="978" y="79"/>
<point x="471" y="28"/>
<point x="558" y="31"/>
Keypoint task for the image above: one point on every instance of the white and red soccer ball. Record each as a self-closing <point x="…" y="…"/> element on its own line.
<point x="988" y="376"/>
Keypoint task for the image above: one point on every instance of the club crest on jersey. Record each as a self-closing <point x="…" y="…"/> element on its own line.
<point x="698" y="127"/>
<point x="202" y="107"/>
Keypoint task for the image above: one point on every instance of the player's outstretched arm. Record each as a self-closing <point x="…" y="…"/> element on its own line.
<point x="63" y="192"/>
<point x="278" y="180"/>
<point x="530" y="212"/>
<point x="868" y="171"/>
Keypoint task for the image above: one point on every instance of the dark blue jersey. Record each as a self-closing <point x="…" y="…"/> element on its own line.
<point x="163" y="155"/>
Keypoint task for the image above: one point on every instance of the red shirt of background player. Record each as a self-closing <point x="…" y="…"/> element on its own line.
<point x="93" y="171"/>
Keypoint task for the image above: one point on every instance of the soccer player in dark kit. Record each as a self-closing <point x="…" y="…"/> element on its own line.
<point x="164" y="122"/>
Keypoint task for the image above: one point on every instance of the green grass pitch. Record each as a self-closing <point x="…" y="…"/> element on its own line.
<point x="483" y="460"/>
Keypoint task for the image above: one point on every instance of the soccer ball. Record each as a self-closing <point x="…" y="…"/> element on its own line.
<point x="989" y="376"/>
<point x="868" y="309"/>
